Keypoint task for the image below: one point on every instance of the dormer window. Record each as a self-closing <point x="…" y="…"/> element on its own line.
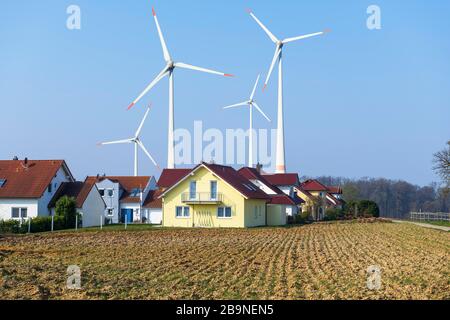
<point x="2" y="182"/>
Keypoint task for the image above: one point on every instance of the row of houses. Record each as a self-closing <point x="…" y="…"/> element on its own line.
<point x="208" y="195"/>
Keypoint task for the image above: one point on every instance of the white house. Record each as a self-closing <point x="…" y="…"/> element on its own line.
<point x="27" y="186"/>
<point x="124" y="196"/>
<point x="89" y="202"/>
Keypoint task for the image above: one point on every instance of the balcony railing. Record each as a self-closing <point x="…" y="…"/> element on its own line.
<point x="201" y="197"/>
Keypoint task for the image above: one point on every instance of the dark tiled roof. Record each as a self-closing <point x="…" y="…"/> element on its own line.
<point x="237" y="181"/>
<point x="78" y="190"/>
<point x="253" y="174"/>
<point x="28" y="181"/>
<point x="283" y="179"/>
<point x="171" y="176"/>
<point x="153" y="200"/>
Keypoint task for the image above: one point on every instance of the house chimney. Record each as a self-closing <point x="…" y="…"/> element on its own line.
<point x="259" y="167"/>
<point x="16" y="158"/>
<point x="25" y="161"/>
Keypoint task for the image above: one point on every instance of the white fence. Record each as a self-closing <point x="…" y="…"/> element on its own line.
<point x="430" y="216"/>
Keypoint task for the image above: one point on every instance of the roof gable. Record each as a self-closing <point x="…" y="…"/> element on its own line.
<point x="228" y="175"/>
<point x="313" y="185"/>
<point x="78" y="190"/>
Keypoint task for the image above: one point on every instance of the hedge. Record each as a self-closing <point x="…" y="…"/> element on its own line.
<point x="38" y="224"/>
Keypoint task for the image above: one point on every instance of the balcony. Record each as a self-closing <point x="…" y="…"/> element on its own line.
<point x="201" y="198"/>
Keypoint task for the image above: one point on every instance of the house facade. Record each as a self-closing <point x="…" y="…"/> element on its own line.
<point x="213" y="196"/>
<point x="124" y="196"/>
<point x="318" y="198"/>
<point x="27" y="186"/>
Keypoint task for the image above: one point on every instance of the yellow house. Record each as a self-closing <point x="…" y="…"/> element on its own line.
<point x="214" y="196"/>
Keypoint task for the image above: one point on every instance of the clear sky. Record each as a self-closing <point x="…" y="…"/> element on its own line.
<point x="358" y="102"/>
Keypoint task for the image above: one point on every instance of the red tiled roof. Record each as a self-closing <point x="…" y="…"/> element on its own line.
<point x="78" y="190"/>
<point x="283" y="179"/>
<point x="335" y="190"/>
<point x="281" y="199"/>
<point x="171" y="176"/>
<point x="153" y="200"/>
<point x="128" y="183"/>
<point x="313" y="185"/>
<point x="28" y="181"/>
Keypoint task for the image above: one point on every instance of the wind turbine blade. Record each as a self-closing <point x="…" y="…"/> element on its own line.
<point x="191" y="67"/>
<point x="272" y="65"/>
<point x="236" y="105"/>
<point x="140" y="144"/>
<point x="138" y="131"/>
<point x="115" y="142"/>
<point x="271" y="36"/>
<point x="304" y="36"/>
<point x="158" y="78"/>
<point x="254" y="88"/>
<point x="161" y="38"/>
<point x="259" y="109"/>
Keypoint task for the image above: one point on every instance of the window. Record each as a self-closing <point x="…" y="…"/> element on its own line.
<point x="135" y="192"/>
<point x="110" y="193"/>
<point x="193" y="190"/>
<point x="182" y="212"/>
<point x="2" y="182"/>
<point x="102" y="192"/>
<point x="110" y="212"/>
<point x="213" y="187"/>
<point x="224" y="212"/>
<point x="17" y="213"/>
<point x="49" y="188"/>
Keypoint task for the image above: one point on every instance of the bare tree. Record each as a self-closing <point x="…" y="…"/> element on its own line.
<point x="441" y="162"/>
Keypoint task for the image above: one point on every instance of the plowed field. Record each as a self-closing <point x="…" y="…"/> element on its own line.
<point x="318" y="261"/>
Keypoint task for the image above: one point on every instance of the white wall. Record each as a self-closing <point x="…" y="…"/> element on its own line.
<point x="93" y="209"/>
<point x="60" y="177"/>
<point x="153" y="215"/>
<point x="6" y="206"/>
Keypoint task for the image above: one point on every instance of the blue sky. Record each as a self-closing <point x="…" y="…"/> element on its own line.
<point x="358" y="102"/>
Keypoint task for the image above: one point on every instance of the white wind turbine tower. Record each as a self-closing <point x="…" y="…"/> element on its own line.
<point x="280" y="161"/>
<point x="168" y="70"/>
<point x="137" y="143"/>
<point x="250" y="103"/>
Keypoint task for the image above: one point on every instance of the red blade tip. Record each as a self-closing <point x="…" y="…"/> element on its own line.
<point x="130" y="106"/>
<point x="264" y="88"/>
<point x="228" y="75"/>
<point x="327" y="30"/>
<point x="153" y="11"/>
<point x="249" y="10"/>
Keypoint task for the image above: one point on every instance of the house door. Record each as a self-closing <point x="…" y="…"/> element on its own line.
<point x="126" y="213"/>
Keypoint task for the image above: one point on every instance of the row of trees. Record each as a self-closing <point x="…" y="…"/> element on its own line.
<point x="397" y="198"/>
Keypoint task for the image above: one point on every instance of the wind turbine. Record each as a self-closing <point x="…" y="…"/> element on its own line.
<point x="250" y="103"/>
<point x="280" y="161"/>
<point x="168" y="70"/>
<point x="137" y="143"/>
